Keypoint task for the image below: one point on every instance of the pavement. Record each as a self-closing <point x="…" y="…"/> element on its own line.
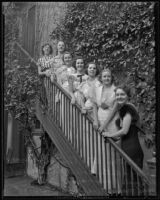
<point x="21" y="186"/>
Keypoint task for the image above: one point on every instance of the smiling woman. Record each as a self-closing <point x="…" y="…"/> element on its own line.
<point x="128" y="131"/>
<point x="104" y="106"/>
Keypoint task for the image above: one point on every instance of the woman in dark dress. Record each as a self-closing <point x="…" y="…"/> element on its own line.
<point x="128" y="132"/>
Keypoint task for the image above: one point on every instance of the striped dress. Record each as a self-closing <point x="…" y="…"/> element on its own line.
<point x="46" y="63"/>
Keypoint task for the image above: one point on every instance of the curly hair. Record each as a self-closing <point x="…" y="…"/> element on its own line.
<point x="66" y="52"/>
<point x="125" y="88"/>
<point x="75" y="60"/>
<point x="106" y="70"/>
<point x="46" y="44"/>
<point x="93" y="63"/>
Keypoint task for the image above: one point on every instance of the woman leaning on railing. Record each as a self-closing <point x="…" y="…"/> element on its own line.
<point x="128" y="131"/>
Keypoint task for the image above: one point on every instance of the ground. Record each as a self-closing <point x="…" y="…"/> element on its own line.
<point x="21" y="186"/>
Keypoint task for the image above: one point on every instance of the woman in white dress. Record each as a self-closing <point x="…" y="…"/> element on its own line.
<point x="77" y="80"/>
<point x="104" y="104"/>
<point x="83" y="96"/>
<point x="58" y="59"/>
<point x="85" y="89"/>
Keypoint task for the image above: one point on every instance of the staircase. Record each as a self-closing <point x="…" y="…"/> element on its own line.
<point x="80" y="145"/>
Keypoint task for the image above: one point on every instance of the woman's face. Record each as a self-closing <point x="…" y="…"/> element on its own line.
<point x="121" y="96"/>
<point x="67" y="59"/>
<point x="46" y="50"/>
<point x="92" y="70"/>
<point x="60" y="46"/>
<point x="79" y="65"/>
<point x="106" y="78"/>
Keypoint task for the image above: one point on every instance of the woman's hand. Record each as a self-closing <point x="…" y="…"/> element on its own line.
<point x="84" y="110"/>
<point x="73" y="100"/>
<point x="106" y="134"/>
<point x="101" y="128"/>
<point x="53" y="77"/>
<point x="95" y="125"/>
<point x="48" y="73"/>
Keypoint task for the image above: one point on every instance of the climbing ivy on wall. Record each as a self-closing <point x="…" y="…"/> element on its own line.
<point x="21" y="81"/>
<point x="119" y="35"/>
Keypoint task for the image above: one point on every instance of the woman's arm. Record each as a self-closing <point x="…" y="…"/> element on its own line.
<point x="40" y="71"/>
<point x="109" y="117"/>
<point x="126" y="123"/>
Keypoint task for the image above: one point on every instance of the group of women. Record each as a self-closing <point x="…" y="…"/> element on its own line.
<point x="95" y="92"/>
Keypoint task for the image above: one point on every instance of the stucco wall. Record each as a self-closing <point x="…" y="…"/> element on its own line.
<point x="48" y="14"/>
<point x="58" y="173"/>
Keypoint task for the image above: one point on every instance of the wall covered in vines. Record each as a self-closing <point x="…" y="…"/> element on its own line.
<point x="119" y="35"/>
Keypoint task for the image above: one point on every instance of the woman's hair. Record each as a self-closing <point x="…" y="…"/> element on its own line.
<point x="66" y="52"/>
<point x="75" y="60"/>
<point x="47" y="44"/>
<point x="93" y="63"/>
<point x="106" y="70"/>
<point x="125" y="88"/>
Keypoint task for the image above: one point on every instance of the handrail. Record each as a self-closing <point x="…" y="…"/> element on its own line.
<point x="129" y="160"/>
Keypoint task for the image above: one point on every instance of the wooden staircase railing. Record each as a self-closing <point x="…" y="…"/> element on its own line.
<point x="121" y="174"/>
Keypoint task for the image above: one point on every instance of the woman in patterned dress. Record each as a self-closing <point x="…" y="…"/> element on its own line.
<point x="45" y="64"/>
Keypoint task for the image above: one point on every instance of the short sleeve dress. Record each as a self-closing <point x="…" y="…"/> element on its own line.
<point x="107" y="99"/>
<point x="46" y="63"/>
<point x="130" y="142"/>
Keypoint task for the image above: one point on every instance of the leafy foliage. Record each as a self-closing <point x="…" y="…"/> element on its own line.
<point x="21" y="80"/>
<point x="119" y="35"/>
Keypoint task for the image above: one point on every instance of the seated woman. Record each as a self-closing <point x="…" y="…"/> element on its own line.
<point x="127" y="130"/>
<point x="45" y="64"/>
